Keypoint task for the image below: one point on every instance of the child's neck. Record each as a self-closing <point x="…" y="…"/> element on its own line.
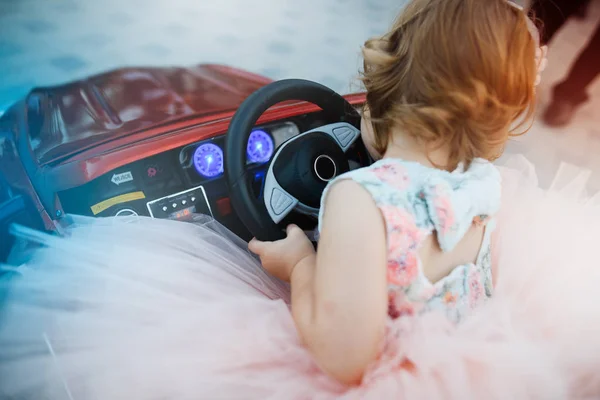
<point x="406" y="148"/>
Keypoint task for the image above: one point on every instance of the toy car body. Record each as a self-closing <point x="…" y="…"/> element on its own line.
<point x="131" y="142"/>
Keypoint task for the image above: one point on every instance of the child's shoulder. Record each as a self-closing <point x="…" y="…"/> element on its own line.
<point x="400" y="176"/>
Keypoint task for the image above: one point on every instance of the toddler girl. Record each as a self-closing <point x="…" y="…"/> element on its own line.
<point x="399" y="301"/>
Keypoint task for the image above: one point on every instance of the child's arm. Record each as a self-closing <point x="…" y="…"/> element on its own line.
<point x="339" y="296"/>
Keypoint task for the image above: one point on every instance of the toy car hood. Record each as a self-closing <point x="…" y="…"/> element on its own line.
<point x="63" y="120"/>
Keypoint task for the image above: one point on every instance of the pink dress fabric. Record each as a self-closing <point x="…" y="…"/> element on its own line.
<point x="152" y="309"/>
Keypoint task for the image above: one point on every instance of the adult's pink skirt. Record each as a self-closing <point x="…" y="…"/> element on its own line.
<point x="149" y="309"/>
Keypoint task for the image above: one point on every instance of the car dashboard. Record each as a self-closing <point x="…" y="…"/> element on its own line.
<point x="187" y="180"/>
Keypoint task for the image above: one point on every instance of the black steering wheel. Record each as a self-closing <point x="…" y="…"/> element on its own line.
<point x="301" y="167"/>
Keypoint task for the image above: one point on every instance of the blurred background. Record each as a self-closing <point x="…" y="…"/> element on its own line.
<point x="45" y="42"/>
<point x="48" y="42"/>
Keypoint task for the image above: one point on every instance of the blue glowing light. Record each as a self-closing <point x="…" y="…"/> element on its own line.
<point x="208" y="160"/>
<point x="260" y="147"/>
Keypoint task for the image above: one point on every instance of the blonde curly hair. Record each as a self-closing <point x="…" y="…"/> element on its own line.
<point x="456" y="73"/>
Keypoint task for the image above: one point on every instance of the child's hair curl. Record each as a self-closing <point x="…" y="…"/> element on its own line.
<point x="457" y="73"/>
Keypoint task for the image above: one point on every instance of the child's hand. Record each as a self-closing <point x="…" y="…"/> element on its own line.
<point x="279" y="258"/>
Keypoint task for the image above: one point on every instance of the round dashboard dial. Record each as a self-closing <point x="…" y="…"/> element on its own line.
<point x="208" y="160"/>
<point x="260" y="147"/>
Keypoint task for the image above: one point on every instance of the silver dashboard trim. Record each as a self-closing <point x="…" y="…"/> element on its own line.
<point x="201" y="188"/>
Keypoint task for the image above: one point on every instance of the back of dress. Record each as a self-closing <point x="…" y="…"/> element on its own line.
<point x="418" y="201"/>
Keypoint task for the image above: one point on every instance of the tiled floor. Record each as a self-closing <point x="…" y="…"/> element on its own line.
<point x="44" y="42"/>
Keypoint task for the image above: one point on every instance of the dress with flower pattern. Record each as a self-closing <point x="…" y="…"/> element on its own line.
<point x="416" y="201"/>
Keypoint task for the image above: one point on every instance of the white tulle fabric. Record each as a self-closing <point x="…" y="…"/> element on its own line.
<point x="150" y="309"/>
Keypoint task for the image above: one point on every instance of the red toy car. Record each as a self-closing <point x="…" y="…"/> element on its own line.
<point x="168" y="142"/>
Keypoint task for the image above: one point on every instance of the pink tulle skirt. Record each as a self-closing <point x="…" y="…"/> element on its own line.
<point x="143" y="309"/>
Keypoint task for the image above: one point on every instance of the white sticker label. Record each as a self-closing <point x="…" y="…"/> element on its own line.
<point x="117" y="179"/>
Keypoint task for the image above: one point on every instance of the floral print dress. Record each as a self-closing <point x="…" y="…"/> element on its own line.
<point x="417" y="201"/>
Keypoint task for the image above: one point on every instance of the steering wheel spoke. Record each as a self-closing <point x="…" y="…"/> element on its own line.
<point x="278" y="201"/>
<point x="288" y="163"/>
<point x="343" y="133"/>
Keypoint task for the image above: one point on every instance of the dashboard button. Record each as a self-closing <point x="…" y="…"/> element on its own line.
<point x="344" y="134"/>
<point x="174" y="205"/>
<point x="183" y="202"/>
<point x="193" y="199"/>
<point x="165" y="208"/>
<point x="280" y="201"/>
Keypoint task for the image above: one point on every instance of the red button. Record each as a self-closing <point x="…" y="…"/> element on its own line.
<point x="224" y="206"/>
